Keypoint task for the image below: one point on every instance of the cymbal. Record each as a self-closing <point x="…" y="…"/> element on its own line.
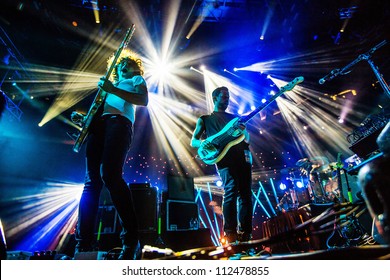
<point x="320" y="162"/>
<point x="316" y="163"/>
<point x="288" y="170"/>
<point x="302" y="162"/>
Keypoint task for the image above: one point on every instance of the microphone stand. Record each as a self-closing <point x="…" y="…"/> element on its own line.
<point x="367" y="57"/>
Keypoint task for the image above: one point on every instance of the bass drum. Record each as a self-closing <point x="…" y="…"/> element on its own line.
<point x="285" y="222"/>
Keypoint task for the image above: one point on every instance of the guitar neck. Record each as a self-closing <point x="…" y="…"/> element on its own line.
<point x="282" y="90"/>
<point x="246" y="118"/>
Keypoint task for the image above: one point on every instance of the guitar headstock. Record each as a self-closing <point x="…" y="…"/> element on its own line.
<point x="292" y="84"/>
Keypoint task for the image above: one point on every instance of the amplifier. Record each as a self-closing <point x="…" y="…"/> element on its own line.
<point x="145" y="204"/>
<point x="182" y="215"/>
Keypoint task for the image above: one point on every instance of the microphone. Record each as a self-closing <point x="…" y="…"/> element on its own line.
<point x="330" y="76"/>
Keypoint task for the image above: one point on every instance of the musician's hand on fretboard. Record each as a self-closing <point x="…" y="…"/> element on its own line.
<point x="205" y="144"/>
<point x="77" y="118"/>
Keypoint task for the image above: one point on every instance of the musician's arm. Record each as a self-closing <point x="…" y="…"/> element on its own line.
<point x="138" y="97"/>
<point x="247" y="137"/>
<point x="199" y="129"/>
<point x="242" y="127"/>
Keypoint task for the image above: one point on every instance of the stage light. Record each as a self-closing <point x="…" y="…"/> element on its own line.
<point x="268" y="76"/>
<point x="253" y="107"/>
<point x="224" y="70"/>
<point x="202" y="67"/>
<point x="299" y="184"/>
<point x="235" y="69"/>
<point x="219" y="183"/>
<point x="262" y="37"/>
<point x="341" y="120"/>
<point x="14" y="84"/>
<point x="263" y="100"/>
<point x="282" y="186"/>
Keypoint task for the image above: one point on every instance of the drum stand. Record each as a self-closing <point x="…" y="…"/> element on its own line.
<point x="314" y="185"/>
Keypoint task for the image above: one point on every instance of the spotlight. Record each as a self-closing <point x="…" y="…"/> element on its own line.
<point x="202" y="67"/>
<point x="282" y="186"/>
<point x="268" y="76"/>
<point x="235" y="69"/>
<point x="262" y="37"/>
<point x="341" y="120"/>
<point x="299" y="184"/>
<point x="219" y="183"/>
<point x="14" y="84"/>
<point x="263" y="100"/>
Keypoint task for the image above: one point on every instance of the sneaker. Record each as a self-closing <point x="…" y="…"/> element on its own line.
<point x="244" y="236"/>
<point x="130" y="252"/>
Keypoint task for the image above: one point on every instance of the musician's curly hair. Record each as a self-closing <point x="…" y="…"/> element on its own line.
<point x="128" y="57"/>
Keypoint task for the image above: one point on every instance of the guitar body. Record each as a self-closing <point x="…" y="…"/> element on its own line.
<point x="96" y="104"/>
<point x="222" y="141"/>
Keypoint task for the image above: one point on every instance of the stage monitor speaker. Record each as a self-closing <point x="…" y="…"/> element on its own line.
<point x="182" y="215"/>
<point x="187" y="239"/>
<point x="145" y="204"/>
<point x="18" y="255"/>
<point x="180" y="188"/>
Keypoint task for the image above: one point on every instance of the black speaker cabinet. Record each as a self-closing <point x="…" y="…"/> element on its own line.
<point x="107" y="220"/>
<point x="180" y="188"/>
<point x="145" y="204"/>
<point x="182" y="215"/>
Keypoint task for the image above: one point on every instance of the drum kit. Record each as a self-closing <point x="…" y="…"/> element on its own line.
<point x="313" y="180"/>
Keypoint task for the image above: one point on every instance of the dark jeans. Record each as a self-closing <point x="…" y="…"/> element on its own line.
<point x="106" y="149"/>
<point x="237" y="180"/>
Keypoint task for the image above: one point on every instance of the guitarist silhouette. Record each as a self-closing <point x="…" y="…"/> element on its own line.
<point x="234" y="168"/>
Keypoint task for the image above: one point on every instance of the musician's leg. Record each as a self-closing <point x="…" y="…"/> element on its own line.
<point x="245" y="202"/>
<point x="229" y="205"/>
<point x="118" y="140"/>
<point x="89" y="202"/>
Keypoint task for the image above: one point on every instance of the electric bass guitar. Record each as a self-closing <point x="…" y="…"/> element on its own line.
<point x="100" y="96"/>
<point x="231" y="134"/>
